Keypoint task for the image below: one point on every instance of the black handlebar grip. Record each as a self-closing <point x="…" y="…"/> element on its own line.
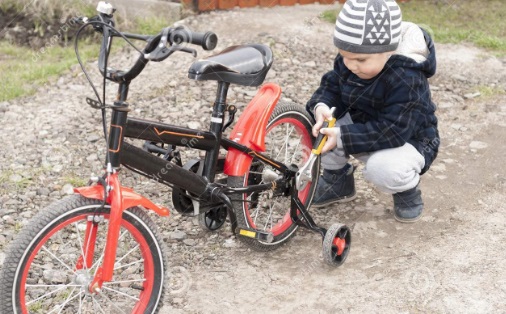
<point x="207" y="41"/>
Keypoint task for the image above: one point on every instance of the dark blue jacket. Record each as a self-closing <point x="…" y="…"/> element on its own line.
<point x="389" y="110"/>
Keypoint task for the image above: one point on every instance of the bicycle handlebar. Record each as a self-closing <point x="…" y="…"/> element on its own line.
<point x="155" y="50"/>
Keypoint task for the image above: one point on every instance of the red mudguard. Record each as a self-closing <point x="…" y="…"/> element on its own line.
<point x="130" y="198"/>
<point x="251" y="128"/>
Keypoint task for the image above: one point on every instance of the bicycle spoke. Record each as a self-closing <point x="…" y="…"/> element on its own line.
<point x="80" y="244"/>
<point x="59" y="260"/>
<point x="128" y="253"/>
<point x="268" y="218"/>
<point x="295" y="150"/>
<point x="124" y="281"/>
<point x="96" y="303"/>
<point x="121" y="293"/>
<point x="130" y="264"/>
<point x="45" y="295"/>
<point x="286" y="144"/>
<point x="110" y="301"/>
<point x="80" y="303"/>
<point x="62" y="306"/>
<point x="97" y="263"/>
<point x="47" y="286"/>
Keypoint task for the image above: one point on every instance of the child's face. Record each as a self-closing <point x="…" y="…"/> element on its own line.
<point x="365" y="66"/>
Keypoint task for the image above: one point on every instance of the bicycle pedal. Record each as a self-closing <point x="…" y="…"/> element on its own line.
<point x="256" y="234"/>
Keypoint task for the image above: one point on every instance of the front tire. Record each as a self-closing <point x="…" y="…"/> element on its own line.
<point x="41" y="272"/>
<point x="288" y="140"/>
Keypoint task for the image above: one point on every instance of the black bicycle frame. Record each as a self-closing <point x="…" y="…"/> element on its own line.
<point x="162" y="170"/>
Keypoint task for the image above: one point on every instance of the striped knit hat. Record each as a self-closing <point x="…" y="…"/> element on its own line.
<point x="368" y="26"/>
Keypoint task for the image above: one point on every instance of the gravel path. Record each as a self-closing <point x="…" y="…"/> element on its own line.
<point x="452" y="261"/>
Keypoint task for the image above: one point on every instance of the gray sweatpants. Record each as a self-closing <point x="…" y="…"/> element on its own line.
<point x="392" y="170"/>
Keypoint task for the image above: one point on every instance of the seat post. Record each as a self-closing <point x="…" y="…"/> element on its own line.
<point x="220" y="105"/>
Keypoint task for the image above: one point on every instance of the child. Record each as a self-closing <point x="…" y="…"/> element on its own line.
<point x="385" y="116"/>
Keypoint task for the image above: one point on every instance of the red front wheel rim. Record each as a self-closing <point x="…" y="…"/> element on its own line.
<point x="145" y="284"/>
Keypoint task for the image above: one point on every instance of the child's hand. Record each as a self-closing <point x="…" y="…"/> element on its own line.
<point x="321" y="114"/>
<point x="333" y="138"/>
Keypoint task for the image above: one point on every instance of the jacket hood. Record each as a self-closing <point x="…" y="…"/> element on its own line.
<point x="416" y="50"/>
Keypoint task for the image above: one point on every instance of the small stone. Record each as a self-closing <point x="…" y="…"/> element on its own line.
<point x="43" y="191"/>
<point x="478" y="145"/>
<point x="67" y="189"/>
<point x="438" y="167"/>
<point x="441" y="177"/>
<point x="54" y="276"/>
<point x="9" y="220"/>
<point x="459" y="77"/>
<point x="4" y="106"/>
<point x="15" y="178"/>
<point x="194" y="125"/>
<point x="378" y="277"/>
<point x="472" y="95"/>
<point x="310" y="64"/>
<point x="445" y="105"/>
<point x="448" y="161"/>
<point x="230" y="243"/>
<point x="43" y="133"/>
<point x="75" y="87"/>
<point x="92" y="157"/>
<point x="177" y="235"/>
<point x="57" y="168"/>
<point x="93" y="138"/>
<point x="189" y="242"/>
<point x="177" y="301"/>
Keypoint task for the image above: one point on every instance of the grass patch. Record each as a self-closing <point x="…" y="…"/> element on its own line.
<point x="23" y="69"/>
<point x="489" y="91"/>
<point x="481" y="22"/>
<point x="20" y="183"/>
<point x="50" y="9"/>
<point x="151" y="25"/>
<point x="75" y="181"/>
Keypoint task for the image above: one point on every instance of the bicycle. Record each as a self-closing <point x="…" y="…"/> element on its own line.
<point x="58" y="263"/>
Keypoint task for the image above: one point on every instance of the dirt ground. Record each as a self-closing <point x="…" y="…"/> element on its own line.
<point x="449" y="262"/>
<point x="452" y="261"/>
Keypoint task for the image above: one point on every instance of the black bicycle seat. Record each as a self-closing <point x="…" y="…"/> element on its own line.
<point x="242" y="65"/>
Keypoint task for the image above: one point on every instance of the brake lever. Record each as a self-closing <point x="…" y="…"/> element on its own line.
<point x="161" y="52"/>
<point x="184" y="49"/>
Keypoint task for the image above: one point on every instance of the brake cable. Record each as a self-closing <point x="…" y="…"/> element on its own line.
<point x="102" y="100"/>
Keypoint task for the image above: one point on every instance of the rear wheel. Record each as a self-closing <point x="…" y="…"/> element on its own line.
<point x="45" y="272"/>
<point x="288" y="140"/>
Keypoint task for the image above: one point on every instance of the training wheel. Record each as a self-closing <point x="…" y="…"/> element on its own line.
<point x="214" y="218"/>
<point x="336" y="244"/>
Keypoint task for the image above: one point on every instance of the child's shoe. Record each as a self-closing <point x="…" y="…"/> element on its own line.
<point x="408" y="205"/>
<point x="335" y="186"/>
